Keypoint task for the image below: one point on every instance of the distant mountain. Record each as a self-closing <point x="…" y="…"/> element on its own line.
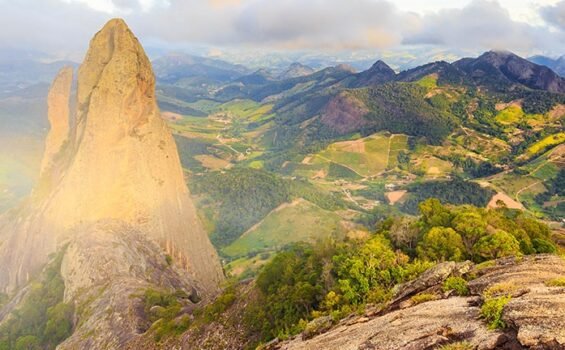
<point x="296" y="70"/>
<point x="17" y="73"/>
<point x="259" y="77"/>
<point x="504" y="71"/>
<point x="379" y="73"/>
<point x="175" y="67"/>
<point x="446" y="73"/>
<point x="297" y="87"/>
<point x="556" y="64"/>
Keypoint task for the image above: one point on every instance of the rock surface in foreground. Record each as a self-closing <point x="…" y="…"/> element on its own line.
<point x="535" y="316"/>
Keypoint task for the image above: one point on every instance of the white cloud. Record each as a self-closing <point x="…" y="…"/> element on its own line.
<point x="56" y="25"/>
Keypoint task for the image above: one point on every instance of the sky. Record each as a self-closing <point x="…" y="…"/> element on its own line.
<point x="64" y="27"/>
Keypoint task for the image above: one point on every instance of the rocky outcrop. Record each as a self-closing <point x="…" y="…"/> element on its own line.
<point x="59" y="117"/>
<point x="118" y="206"/>
<point x="106" y="272"/>
<point x="535" y="315"/>
<point x="120" y="163"/>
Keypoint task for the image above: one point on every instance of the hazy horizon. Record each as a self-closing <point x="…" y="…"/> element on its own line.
<point x="236" y="29"/>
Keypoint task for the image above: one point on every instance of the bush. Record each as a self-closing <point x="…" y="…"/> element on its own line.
<point x="543" y="246"/>
<point x="492" y="310"/>
<point x="164" y="317"/>
<point x="556" y="282"/>
<point x="43" y="320"/>
<point x="457" y="346"/>
<point x="497" y="245"/>
<point x="422" y="298"/>
<point x="456" y="284"/>
<point x="441" y="244"/>
<point x="500" y="289"/>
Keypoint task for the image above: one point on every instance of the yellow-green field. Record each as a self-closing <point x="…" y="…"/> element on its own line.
<point x="367" y="156"/>
<point x="292" y="222"/>
<point x="247" y="110"/>
<point x="510" y="115"/>
<point x="398" y="143"/>
<point x="549" y="141"/>
<point x="429" y="81"/>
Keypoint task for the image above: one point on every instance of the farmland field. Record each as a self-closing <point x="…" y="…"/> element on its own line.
<point x="291" y="222"/>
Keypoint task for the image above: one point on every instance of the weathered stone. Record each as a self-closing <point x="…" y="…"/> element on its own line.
<point x="58" y="113"/>
<point x="118" y="206"/>
<point x="123" y="165"/>
<point x="433" y="277"/>
<point x="317" y="326"/>
<point x="535" y="319"/>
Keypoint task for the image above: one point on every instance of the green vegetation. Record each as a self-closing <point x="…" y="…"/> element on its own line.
<point x="43" y="320"/>
<point x="212" y="311"/>
<point x="294" y="222"/>
<point x="456" y="284"/>
<point x="556" y="282"/>
<point x="441" y="244"/>
<point x="401" y="108"/>
<point x="457" y="346"/>
<point x="492" y="310"/>
<point x="422" y="298"/>
<point x="338" y="171"/>
<point x="162" y="309"/>
<point x="546" y="143"/>
<point x="429" y="81"/>
<point x="455" y="192"/>
<point x="294" y="288"/>
<point x="510" y="115"/>
<point x="241" y="197"/>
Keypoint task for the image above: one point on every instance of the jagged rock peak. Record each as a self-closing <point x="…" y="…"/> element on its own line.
<point x="58" y="113"/>
<point x="115" y="64"/>
<point x="121" y="164"/>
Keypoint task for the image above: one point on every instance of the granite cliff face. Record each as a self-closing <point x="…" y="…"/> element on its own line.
<point x="111" y="167"/>
<point x="59" y="117"/>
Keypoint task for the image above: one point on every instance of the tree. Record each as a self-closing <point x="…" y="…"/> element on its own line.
<point x="497" y="245"/>
<point x="28" y="342"/>
<point x="434" y="214"/>
<point x="404" y="234"/>
<point x="441" y="244"/>
<point x="471" y="226"/>
<point x="372" y="265"/>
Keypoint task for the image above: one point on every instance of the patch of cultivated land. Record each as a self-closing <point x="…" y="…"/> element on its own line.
<point x="546" y="142"/>
<point x="291" y="222"/>
<point x="509" y="202"/>
<point x="367" y="156"/>
<point x="398" y="143"/>
<point x="212" y="163"/>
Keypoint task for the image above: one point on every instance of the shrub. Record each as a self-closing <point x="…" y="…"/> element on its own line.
<point x="457" y="346"/>
<point x="492" y="310"/>
<point x="164" y="318"/>
<point x="169" y="259"/>
<point x="42" y="320"/>
<point x="457" y="284"/>
<point x="544" y="246"/>
<point x="500" y="289"/>
<point x="556" y="282"/>
<point x="422" y="298"/>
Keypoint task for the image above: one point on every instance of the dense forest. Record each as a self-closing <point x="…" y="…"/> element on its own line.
<point x="455" y="191"/>
<point x="335" y="278"/>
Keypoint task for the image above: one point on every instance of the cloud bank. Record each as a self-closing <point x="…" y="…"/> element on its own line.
<point x="54" y="25"/>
